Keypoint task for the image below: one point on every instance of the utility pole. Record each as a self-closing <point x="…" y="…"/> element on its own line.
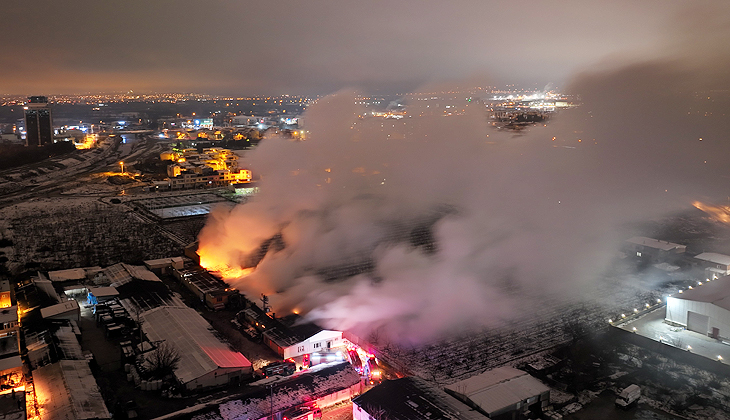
<point x="265" y="303"/>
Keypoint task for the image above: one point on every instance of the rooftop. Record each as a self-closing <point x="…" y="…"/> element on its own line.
<point x="498" y="388"/>
<point x="121" y="273"/>
<point x="67" y="390"/>
<point x="654" y="243"/>
<point x="200" y="350"/>
<point x="716" y="292"/>
<point x="66" y="275"/>
<point x="60" y="308"/>
<point x="413" y="398"/>
<point x="714" y="258"/>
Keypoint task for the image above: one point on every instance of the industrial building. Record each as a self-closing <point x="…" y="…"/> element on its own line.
<point x="291" y="341"/>
<point x="410" y="398"/>
<point x="212" y="291"/>
<point x="67" y="390"/>
<point x="717" y="264"/>
<point x="653" y="250"/>
<point x="704" y="309"/>
<point x="502" y="393"/>
<point x="205" y="360"/>
<point x="294" y="397"/>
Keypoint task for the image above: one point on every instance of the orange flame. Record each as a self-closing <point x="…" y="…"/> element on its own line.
<point x="210" y="262"/>
<point x="719" y="213"/>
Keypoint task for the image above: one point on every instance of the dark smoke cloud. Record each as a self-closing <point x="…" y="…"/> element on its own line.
<point x="515" y="220"/>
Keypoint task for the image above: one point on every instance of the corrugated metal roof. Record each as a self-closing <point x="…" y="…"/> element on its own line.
<point x="716" y="292"/>
<point x="499" y="388"/>
<point x="65" y="275"/>
<point x="655" y="243"/>
<point x="200" y="350"/>
<point x="714" y="258"/>
<point x="60" y="308"/>
<point x="413" y="398"/>
<point x="103" y="291"/>
<point x="67" y="391"/>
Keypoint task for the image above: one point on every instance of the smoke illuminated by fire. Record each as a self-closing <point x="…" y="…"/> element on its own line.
<point x="719" y="213"/>
<point x="421" y="226"/>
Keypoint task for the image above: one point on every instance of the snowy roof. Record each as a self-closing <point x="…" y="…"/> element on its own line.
<point x="67" y="391"/>
<point x="103" y="291"/>
<point x="68" y="344"/>
<point x="288" y="393"/>
<point x="200" y="350"/>
<point x="121" y="273"/>
<point x="655" y="243"/>
<point x="716" y="292"/>
<point x="60" y="308"/>
<point x="162" y="262"/>
<point x="714" y="258"/>
<point x="416" y="399"/>
<point x="66" y="275"/>
<point x="498" y="388"/>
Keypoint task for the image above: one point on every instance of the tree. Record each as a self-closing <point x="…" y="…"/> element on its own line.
<point x="162" y="361"/>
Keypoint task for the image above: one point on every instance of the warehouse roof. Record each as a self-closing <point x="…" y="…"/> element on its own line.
<point x="103" y="291"/>
<point x="121" y="273"/>
<point x="200" y="350"/>
<point x="59" y="308"/>
<point x="716" y="292"/>
<point x="65" y="275"/>
<point x="498" y="388"/>
<point x="655" y="243"/>
<point x="413" y="398"/>
<point x="67" y="391"/>
<point x="714" y="258"/>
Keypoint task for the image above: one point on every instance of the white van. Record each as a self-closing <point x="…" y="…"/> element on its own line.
<point x="628" y="396"/>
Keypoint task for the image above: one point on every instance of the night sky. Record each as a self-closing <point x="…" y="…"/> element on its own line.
<point x="318" y="47"/>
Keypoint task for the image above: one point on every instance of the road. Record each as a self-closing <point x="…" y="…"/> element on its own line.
<point x="343" y="412"/>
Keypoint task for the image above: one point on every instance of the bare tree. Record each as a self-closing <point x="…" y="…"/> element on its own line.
<point x="163" y="360"/>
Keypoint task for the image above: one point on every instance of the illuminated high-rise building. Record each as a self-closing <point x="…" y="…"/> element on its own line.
<point x="38" y="122"/>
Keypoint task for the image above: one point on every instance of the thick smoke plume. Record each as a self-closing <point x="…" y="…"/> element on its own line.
<point x="447" y="224"/>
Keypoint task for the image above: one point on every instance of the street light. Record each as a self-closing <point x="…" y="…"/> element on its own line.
<point x="122" y="165"/>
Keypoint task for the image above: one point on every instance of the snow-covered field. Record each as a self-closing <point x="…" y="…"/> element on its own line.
<point x="59" y="233"/>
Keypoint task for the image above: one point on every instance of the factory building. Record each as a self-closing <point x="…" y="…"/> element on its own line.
<point x="67" y="390"/>
<point x="502" y="393"/>
<point x="205" y="361"/>
<point x="704" y="308"/>
<point x="717" y="264"/>
<point x="653" y="250"/>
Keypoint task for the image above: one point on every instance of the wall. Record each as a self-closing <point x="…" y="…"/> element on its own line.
<point x="719" y="317"/>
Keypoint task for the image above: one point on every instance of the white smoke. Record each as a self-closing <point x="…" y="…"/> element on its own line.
<point x="528" y="218"/>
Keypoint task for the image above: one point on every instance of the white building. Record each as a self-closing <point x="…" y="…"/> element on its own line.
<point x="715" y="263"/>
<point x="204" y="360"/>
<point x="704" y="309"/>
<point x="500" y="391"/>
